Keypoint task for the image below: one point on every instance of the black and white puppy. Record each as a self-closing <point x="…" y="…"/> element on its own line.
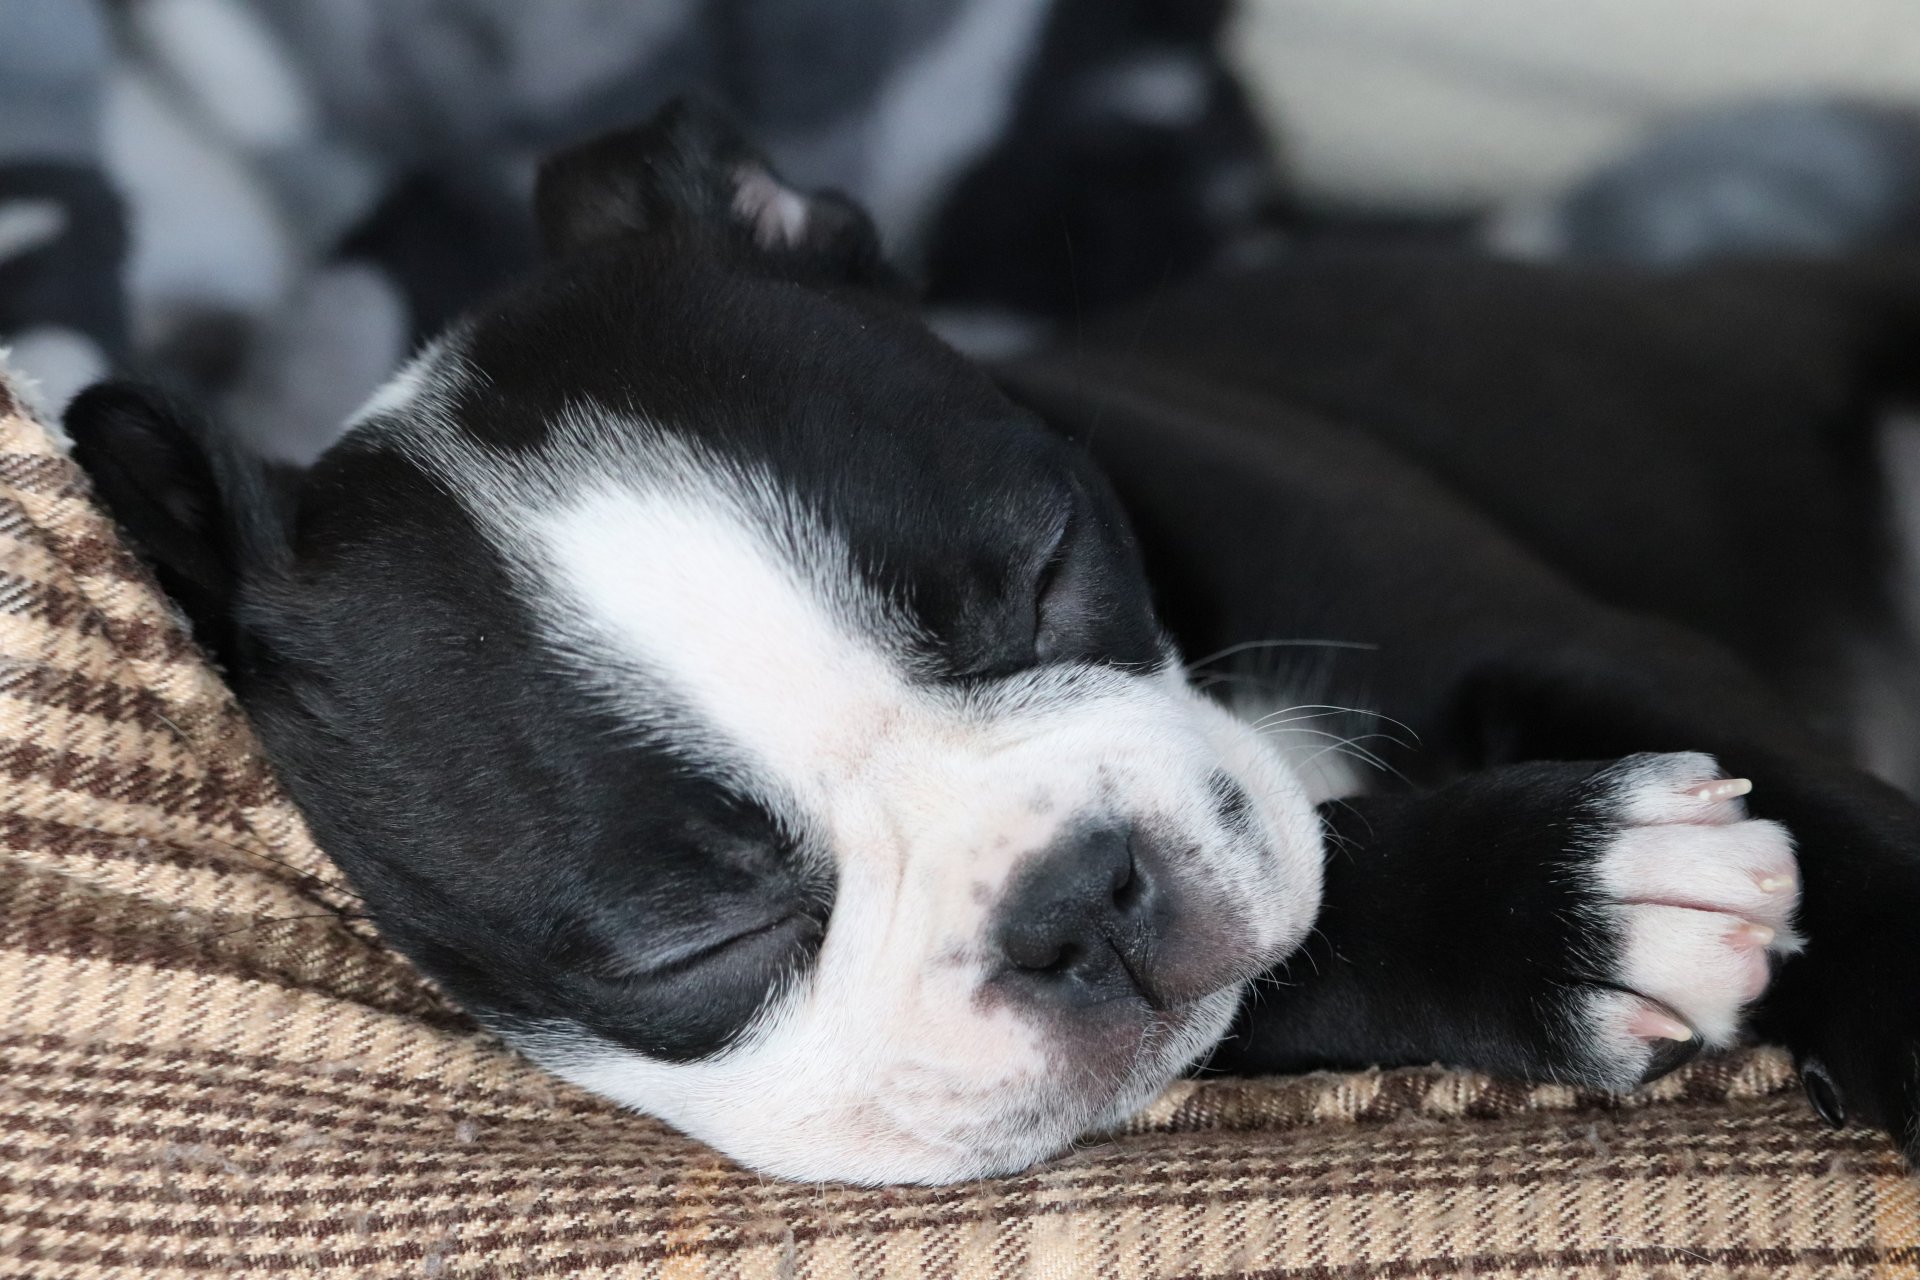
<point x="739" y="702"/>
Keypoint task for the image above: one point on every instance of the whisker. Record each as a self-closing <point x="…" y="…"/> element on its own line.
<point x="1307" y="951"/>
<point x="1210" y="678"/>
<point x="1357" y="812"/>
<point x="1247" y="646"/>
<point x="1272" y="719"/>
<point x="1359" y="752"/>
<point x="1358" y="711"/>
<point x="1348" y="749"/>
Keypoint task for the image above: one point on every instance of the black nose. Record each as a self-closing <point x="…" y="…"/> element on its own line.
<point x="1078" y="925"/>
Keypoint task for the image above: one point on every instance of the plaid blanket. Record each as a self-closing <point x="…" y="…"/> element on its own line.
<point x="209" y="1064"/>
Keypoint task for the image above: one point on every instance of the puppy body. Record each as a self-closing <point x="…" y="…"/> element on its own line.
<point x="741" y="705"/>
<point x="1546" y="516"/>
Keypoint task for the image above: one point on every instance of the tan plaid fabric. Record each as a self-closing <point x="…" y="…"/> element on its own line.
<point x="205" y="1068"/>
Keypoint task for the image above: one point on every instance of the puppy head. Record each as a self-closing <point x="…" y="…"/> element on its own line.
<point x="730" y="698"/>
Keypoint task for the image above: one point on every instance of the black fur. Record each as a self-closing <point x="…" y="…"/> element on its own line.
<point x="495" y="843"/>
<point x="1461" y="925"/>
<point x="1569" y="517"/>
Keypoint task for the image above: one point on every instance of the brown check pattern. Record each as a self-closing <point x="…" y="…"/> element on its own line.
<point x="209" y="1066"/>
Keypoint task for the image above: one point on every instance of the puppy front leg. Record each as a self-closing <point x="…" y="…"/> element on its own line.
<point x="1848" y="1003"/>
<point x="1596" y="923"/>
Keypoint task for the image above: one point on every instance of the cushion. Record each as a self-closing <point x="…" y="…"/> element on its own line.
<point x="210" y="1064"/>
<point x="1454" y="104"/>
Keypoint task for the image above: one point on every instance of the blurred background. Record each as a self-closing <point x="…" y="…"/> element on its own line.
<point x="266" y="204"/>
<point x="1467" y="104"/>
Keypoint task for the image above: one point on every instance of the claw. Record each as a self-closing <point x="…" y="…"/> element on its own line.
<point x="1651" y="1024"/>
<point x="1668" y="1055"/>
<point x="1725" y="789"/>
<point x="1821" y="1093"/>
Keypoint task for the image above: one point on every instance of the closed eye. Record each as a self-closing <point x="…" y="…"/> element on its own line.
<point x="1048" y="586"/>
<point x="761" y="941"/>
<point x="1075" y="596"/>
<point x="694" y="956"/>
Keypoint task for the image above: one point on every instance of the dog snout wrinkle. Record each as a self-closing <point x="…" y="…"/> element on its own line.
<point x="1081" y="922"/>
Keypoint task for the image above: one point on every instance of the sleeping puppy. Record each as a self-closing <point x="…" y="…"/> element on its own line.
<point x="758" y="714"/>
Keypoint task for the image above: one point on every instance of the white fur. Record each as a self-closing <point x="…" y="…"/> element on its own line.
<point x="394" y="395"/>
<point x="1678" y="878"/>
<point x="777" y="213"/>
<point x="708" y="606"/>
<point x="1327" y="742"/>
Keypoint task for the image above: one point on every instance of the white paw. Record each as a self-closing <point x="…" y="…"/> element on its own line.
<point x="1697" y="897"/>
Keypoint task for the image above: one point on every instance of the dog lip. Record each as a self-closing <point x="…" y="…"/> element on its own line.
<point x="1142" y="982"/>
<point x="1180" y="1000"/>
<point x="1156" y="1007"/>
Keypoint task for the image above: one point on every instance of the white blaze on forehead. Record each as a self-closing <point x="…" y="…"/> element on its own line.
<point x="769" y="648"/>
<point x="688" y="589"/>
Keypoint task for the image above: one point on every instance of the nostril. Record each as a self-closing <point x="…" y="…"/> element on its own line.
<point x="1079" y="923"/>
<point x="1063" y="960"/>
<point x="1046" y="954"/>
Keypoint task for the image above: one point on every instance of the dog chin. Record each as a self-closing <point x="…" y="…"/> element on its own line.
<point x="1075" y="1103"/>
<point x="1030" y="1129"/>
<point x="1170" y="1049"/>
<point x="910" y="1134"/>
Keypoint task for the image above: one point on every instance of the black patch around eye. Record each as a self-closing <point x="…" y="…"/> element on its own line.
<point x="541" y="859"/>
<point x="714" y="910"/>
<point x="715" y="947"/>
<point x="1070" y="591"/>
<point x="979" y="610"/>
<point x="1091" y="601"/>
<point x="697" y="1004"/>
<point x="694" y="985"/>
<point x="1047" y="585"/>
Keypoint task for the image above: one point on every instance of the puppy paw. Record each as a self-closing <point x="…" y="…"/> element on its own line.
<point x="1688" y="901"/>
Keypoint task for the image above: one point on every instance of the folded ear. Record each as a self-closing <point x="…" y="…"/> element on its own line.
<point x="688" y="169"/>
<point x="194" y="507"/>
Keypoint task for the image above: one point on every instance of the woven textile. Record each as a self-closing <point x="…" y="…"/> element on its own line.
<point x="208" y="1065"/>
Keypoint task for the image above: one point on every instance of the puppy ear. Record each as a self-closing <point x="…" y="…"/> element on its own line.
<point x="191" y="504"/>
<point x="688" y="169"/>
